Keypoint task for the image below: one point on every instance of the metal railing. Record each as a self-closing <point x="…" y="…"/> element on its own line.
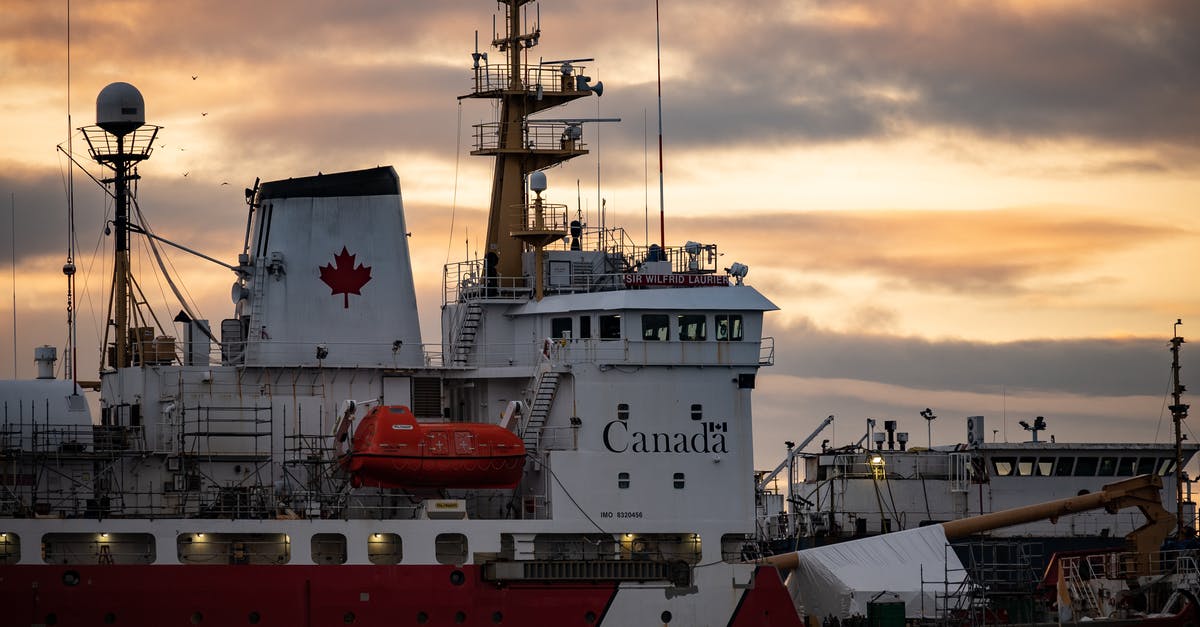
<point x="549" y="78"/>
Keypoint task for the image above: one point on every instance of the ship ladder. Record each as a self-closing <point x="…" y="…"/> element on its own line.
<point x="467" y="331"/>
<point x="539" y="409"/>
<point x="105" y="555"/>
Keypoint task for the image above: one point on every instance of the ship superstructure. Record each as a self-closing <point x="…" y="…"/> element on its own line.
<point x="218" y="483"/>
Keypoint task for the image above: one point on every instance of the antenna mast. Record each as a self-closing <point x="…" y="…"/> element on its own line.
<point x="70" y="355"/>
<point x="662" y="221"/>
<point x="1179" y="412"/>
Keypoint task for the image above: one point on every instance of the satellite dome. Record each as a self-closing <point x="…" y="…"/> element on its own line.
<point x="120" y="109"/>
<point x="537" y="181"/>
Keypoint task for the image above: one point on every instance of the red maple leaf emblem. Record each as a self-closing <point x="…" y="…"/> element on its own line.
<point x="343" y="278"/>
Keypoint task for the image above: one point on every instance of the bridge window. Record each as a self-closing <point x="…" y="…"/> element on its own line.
<point x="585" y="327"/>
<point x="1145" y="466"/>
<point x="610" y="327"/>
<point x="1086" y="466"/>
<point x="560" y="327"/>
<point x="1166" y="466"/>
<point x="1064" y="466"/>
<point x="1025" y="466"/>
<point x="1126" y="466"/>
<point x="1045" y="466"/>
<point x="1108" y="466"/>
<point x="692" y="327"/>
<point x="655" y="328"/>
<point x="1003" y="466"/>
<point x="729" y="328"/>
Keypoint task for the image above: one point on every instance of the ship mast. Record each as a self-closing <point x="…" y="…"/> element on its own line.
<point x="120" y="139"/>
<point x="1179" y="411"/>
<point x="520" y="145"/>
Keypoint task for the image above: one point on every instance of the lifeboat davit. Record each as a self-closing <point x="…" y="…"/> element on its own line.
<point x="390" y="449"/>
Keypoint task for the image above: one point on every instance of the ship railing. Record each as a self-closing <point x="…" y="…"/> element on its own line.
<point x="561" y="438"/>
<point x="361" y="354"/>
<point x="535" y="135"/>
<point x="766" y="351"/>
<point x="548" y="79"/>
<point x="465" y="281"/>
<point x="1125" y="565"/>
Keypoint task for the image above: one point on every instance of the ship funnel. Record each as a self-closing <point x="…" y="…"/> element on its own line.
<point x="120" y="109"/>
<point x="45" y="356"/>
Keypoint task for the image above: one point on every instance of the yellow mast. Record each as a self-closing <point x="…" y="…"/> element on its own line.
<point x="519" y="145"/>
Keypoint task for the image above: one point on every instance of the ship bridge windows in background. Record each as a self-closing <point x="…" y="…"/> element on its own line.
<point x="610" y="327"/>
<point x="560" y="328"/>
<point x="1067" y="466"/>
<point x="1086" y="466"/>
<point x="585" y="327"/>
<point x="692" y="327"/>
<point x="656" y="327"/>
<point x="729" y="327"/>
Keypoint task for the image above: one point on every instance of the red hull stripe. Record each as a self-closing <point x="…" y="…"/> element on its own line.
<point x="765" y="603"/>
<point x="288" y="596"/>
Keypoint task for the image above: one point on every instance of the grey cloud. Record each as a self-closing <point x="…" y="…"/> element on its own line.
<point x="1089" y="367"/>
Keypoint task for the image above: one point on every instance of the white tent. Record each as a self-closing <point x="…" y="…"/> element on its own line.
<point x="916" y="566"/>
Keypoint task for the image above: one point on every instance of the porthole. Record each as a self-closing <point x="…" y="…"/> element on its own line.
<point x="422" y="618"/>
<point x="665" y="616"/>
<point x="70" y="578"/>
<point x="254" y="618"/>
<point x="497" y="617"/>
<point x="457" y="577"/>
<point x="460" y="617"/>
<point x="197" y="618"/>
<point x="348" y="618"/>
<point x="110" y="618"/>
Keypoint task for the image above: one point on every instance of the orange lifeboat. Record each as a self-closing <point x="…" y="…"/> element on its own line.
<point x="390" y="449"/>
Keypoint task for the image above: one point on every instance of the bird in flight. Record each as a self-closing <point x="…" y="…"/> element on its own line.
<point x="224" y="182"/>
<point x="203" y="113"/>
<point x="186" y="173"/>
<point x="193" y="77"/>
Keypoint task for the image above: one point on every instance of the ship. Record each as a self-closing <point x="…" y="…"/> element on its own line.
<point x="309" y="461"/>
<point x="880" y="484"/>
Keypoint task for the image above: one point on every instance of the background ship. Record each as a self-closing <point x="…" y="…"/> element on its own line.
<point x="224" y="481"/>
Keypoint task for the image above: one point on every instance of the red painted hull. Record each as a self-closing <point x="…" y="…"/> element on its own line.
<point x="324" y="595"/>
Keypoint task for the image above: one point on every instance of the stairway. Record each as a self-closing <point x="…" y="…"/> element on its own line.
<point x="467" y="330"/>
<point x="539" y="409"/>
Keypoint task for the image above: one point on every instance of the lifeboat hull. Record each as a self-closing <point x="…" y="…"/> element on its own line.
<point x="390" y="449"/>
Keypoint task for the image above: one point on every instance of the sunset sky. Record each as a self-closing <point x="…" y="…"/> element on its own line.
<point x="978" y="207"/>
